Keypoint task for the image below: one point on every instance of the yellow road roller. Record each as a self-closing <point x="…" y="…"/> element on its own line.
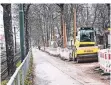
<point x="85" y="47"/>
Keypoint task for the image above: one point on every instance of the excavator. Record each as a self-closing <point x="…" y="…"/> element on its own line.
<point x="85" y="47"/>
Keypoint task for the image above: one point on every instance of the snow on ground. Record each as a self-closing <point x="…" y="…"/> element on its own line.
<point x="64" y="53"/>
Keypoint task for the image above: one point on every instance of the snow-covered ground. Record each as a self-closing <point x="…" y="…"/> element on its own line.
<point x="63" y="52"/>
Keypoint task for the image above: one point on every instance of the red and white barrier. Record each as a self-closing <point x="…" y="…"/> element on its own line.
<point x="104" y="57"/>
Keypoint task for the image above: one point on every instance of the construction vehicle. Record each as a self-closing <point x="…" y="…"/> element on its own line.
<point x="85" y="47"/>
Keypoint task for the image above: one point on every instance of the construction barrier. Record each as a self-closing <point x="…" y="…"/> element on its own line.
<point x="104" y="57"/>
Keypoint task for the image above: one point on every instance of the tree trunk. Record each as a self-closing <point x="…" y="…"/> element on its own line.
<point x="26" y="29"/>
<point x="61" y="28"/>
<point x="62" y="9"/>
<point x="108" y="6"/>
<point x="9" y="38"/>
<point x="27" y="36"/>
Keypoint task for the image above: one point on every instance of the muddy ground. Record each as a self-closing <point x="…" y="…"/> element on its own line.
<point x="51" y="70"/>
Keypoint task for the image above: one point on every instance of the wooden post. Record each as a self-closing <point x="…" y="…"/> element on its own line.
<point x="64" y="35"/>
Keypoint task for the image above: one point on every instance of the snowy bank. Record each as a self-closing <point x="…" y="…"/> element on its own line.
<point x="64" y="53"/>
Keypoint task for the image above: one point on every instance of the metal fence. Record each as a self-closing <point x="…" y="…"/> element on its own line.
<point x="4" y="68"/>
<point x="19" y="76"/>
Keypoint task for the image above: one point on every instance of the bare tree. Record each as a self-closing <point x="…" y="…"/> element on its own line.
<point x="26" y="22"/>
<point x="62" y="19"/>
<point x="47" y="17"/>
<point x="7" y="18"/>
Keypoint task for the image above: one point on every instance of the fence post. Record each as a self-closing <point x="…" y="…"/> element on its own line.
<point x="23" y="75"/>
<point x="18" y="79"/>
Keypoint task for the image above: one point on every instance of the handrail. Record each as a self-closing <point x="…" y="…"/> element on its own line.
<point x="16" y="76"/>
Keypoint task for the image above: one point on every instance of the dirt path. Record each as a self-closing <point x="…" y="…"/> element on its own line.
<point x="51" y="70"/>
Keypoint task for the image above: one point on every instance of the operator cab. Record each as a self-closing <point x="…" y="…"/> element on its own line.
<point x="86" y="36"/>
